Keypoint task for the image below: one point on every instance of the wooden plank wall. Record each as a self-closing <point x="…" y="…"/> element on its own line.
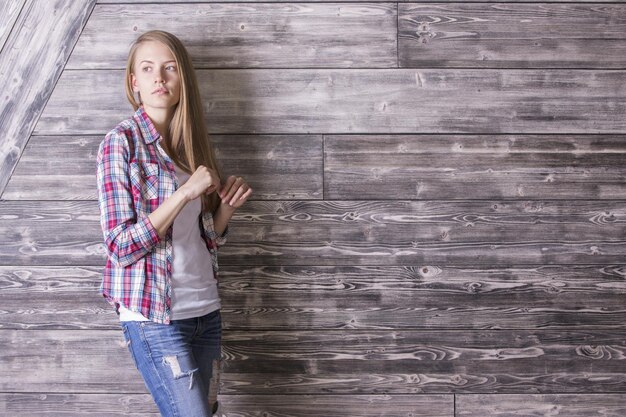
<point x="438" y="227"/>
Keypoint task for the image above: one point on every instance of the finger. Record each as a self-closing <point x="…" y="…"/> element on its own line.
<point x="234" y="187"/>
<point x="238" y="194"/>
<point x="244" y="197"/>
<point x="226" y="188"/>
<point x="238" y="200"/>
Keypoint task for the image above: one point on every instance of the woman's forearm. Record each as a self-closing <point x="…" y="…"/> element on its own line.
<point x="221" y="217"/>
<point x="163" y="217"/>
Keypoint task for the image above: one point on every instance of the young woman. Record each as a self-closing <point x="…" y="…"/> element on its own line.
<point x="164" y="214"/>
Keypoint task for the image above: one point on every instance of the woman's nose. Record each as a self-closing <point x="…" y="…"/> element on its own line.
<point x="158" y="77"/>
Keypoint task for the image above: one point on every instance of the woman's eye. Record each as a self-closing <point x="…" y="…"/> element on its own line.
<point x="172" y="67"/>
<point x="146" y="68"/>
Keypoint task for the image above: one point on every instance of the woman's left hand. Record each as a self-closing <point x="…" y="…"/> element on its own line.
<point x="235" y="192"/>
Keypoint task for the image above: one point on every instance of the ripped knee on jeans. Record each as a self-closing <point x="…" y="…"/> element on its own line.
<point x="172" y="361"/>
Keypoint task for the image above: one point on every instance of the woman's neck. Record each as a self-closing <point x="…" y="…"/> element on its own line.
<point x="161" y="119"/>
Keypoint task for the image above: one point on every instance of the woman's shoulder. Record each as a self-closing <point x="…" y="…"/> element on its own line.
<point x="121" y="138"/>
<point x="127" y="127"/>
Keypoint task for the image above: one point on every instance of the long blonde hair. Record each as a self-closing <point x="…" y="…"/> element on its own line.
<point x="187" y="129"/>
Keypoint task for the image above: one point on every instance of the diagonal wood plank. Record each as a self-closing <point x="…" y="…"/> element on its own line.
<point x="9" y="12"/>
<point x="226" y="35"/>
<point x="34" y="56"/>
<point x="364" y="101"/>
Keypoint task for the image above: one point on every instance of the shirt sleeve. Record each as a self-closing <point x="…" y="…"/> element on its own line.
<point x="209" y="230"/>
<point x="127" y="239"/>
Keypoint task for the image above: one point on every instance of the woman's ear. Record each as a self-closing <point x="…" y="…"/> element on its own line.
<point x="133" y="83"/>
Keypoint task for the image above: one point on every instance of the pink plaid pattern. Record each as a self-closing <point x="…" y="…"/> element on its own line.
<point x="134" y="177"/>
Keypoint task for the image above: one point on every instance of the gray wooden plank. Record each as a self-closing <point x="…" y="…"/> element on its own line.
<point x="42" y="39"/>
<point x="276" y="167"/>
<point x="376" y="166"/>
<point x="344" y="1"/>
<point x="365" y="101"/>
<point x="54" y="298"/>
<point x="479" y="166"/>
<point x="77" y="404"/>
<point x="426" y="405"/>
<point x="248" y="35"/>
<point x="454" y="233"/>
<point x="9" y="12"/>
<point x="335" y="362"/>
<point x="501" y="35"/>
<point x="423" y="297"/>
<point x="342" y="297"/>
<point x="139" y="405"/>
<point x="537" y="405"/>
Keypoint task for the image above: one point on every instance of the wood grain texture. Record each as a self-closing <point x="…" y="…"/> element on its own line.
<point x="140" y="405"/>
<point x="501" y="35"/>
<point x="439" y="232"/>
<point x="537" y="405"/>
<point x="346" y="297"/>
<point x="42" y="39"/>
<point x="276" y="166"/>
<point x="9" y="12"/>
<point x="54" y="298"/>
<point x="424" y="405"/>
<point x="337" y="362"/>
<point x="453" y="233"/>
<point x="344" y="1"/>
<point x="77" y="405"/>
<point x="427" y="297"/>
<point x="480" y="167"/>
<point x="222" y="35"/>
<point x="365" y="101"/>
<point x="433" y="232"/>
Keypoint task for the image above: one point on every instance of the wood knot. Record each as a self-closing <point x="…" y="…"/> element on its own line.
<point x="424" y="32"/>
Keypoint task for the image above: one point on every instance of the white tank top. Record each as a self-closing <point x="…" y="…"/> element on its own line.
<point x="194" y="288"/>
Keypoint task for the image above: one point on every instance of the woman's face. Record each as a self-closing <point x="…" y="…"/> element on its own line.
<point x="155" y="76"/>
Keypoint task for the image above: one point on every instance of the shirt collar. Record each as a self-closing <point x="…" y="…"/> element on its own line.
<point x="148" y="130"/>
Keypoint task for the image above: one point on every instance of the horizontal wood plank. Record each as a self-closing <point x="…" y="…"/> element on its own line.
<point x="336" y="362"/>
<point x="505" y="35"/>
<point x="54" y="298"/>
<point x="481" y="167"/>
<point x="140" y="405"/>
<point x="453" y="233"/>
<point x="284" y="298"/>
<point x="276" y="167"/>
<point x="364" y="101"/>
<point x="50" y="404"/>
<point x="344" y="1"/>
<point x="42" y="37"/>
<point x="223" y="35"/>
<point x="423" y="297"/>
<point x="539" y="405"/>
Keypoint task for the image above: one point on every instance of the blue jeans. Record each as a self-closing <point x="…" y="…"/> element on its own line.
<point x="179" y="362"/>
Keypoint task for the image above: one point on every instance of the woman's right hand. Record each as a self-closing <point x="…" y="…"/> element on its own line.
<point x="203" y="181"/>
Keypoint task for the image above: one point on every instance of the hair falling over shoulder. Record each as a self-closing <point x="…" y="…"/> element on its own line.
<point x="190" y="145"/>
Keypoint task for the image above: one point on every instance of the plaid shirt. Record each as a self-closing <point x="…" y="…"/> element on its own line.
<point x="134" y="177"/>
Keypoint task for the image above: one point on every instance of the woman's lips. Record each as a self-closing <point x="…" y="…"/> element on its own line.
<point x="160" y="91"/>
